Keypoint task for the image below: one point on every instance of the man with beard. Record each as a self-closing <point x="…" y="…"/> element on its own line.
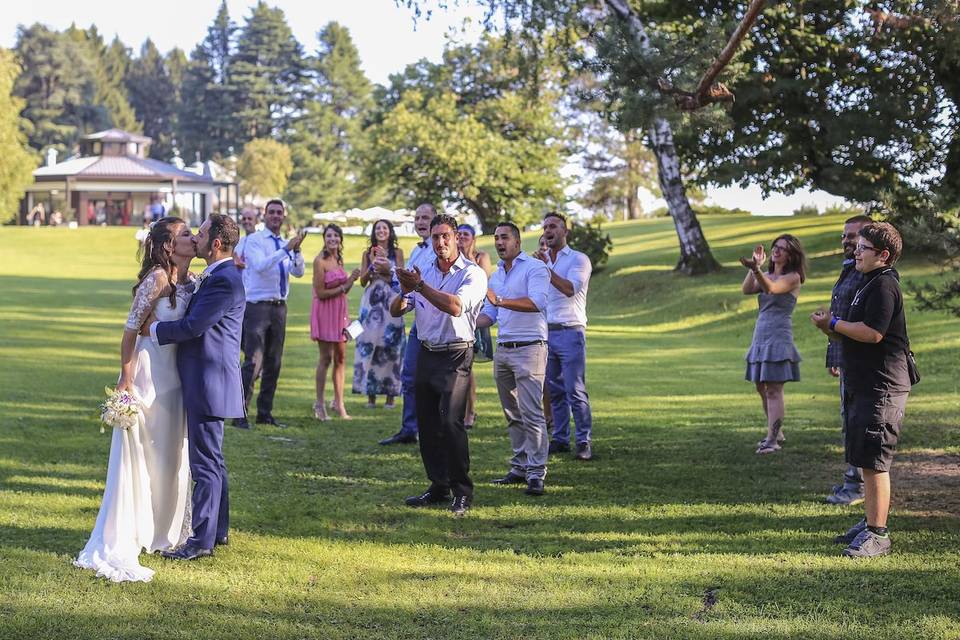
<point x="850" y="280"/>
<point x="447" y="296"/>
<point x="516" y="301"/>
<point x="567" y="338"/>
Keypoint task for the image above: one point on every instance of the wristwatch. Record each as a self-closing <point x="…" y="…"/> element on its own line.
<point x="497" y="301"/>
<point x="419" y="287"/>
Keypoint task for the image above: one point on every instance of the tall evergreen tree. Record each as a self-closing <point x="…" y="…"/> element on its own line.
<point x="206" y="117"/>
<point x="153" y="94"/>
<point x="326" y="138"/>
<point x="58" y="86"/>
<point x="107" y="64"/>
<point x="266" y="74"/>
<point x="16" y="161"/>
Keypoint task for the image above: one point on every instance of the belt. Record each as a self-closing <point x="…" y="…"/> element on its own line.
<point x="517" y="345"/>
<point x="556" y="326"/>
<point x="275" y="303"/>
<point x="449" y="346"/>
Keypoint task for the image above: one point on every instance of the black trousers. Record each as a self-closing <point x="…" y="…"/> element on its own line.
<point x="441" y="388"/>
<point x="264" y="328"/>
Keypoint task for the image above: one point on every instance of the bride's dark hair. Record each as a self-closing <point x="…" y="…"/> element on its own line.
<point x="154" y="254"/>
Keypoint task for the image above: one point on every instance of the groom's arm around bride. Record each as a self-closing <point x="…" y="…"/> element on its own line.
<point x="208" y="360"/>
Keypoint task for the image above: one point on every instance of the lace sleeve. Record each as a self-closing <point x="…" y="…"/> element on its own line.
<point x="147" y="294"/>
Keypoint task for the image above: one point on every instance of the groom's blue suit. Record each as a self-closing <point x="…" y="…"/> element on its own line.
<point x="208" y="358"/>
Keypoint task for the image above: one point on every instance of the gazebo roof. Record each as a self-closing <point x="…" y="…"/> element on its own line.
<point x="118" y="167"/>
<point x="117" y="135"/>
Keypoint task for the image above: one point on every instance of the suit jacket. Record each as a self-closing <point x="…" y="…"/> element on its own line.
<point x="208" y="335"/>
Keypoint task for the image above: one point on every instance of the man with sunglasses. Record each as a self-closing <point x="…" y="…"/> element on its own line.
<point x="876" y="380"/>
<point x="850" y="491"/>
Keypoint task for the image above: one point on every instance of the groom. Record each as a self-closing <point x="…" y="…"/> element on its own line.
<point x="208" y="359"/>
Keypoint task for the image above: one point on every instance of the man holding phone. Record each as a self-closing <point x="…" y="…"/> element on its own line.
<point x="270" y="261"/>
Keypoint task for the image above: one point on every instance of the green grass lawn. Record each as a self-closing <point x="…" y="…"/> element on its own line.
<point x="675" y="503"/>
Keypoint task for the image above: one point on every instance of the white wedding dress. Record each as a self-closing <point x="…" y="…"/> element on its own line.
<point x="146" y="502"/>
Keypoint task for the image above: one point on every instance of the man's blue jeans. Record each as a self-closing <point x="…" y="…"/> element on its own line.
<point x="566" y="379"/>
<point x="408" y="379"/>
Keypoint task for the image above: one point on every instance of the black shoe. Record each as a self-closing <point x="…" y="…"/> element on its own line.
<point x="187" y="552"/>
<point x="584" y="452"/>
<point x="460" y="505"/>
<point x="535" y="487"/>
<point x="241" y="423"/>
<point x="270" y="420"/>
<point x="426" y="499"/>
<point x="223" y="542"/>
<point x="400" y="438"/>
<point x="510" y="478"/>
<point x="559" y="447"/>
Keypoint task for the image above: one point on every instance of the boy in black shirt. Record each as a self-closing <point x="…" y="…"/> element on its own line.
<point x="875" y="379"/>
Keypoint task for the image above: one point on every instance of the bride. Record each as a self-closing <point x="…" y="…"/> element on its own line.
<point x="146" y="501"/>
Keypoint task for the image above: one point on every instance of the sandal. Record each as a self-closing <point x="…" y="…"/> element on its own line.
<point x="319" y="412"/>
<point x="341" y="411"/>
<point x="780" y="439"/>
<point x="767" y="448"/>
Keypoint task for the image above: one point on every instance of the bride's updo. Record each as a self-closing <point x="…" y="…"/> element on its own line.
<point x="154" y="253"/>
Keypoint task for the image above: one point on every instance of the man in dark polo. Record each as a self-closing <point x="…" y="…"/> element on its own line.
<point x="850" y="491"/>
<point x="447" y="295"/>
<point x="876" y="380"/>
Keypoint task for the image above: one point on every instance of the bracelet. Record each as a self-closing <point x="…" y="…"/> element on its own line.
<point x="419" y="287"/>
<point x="833" y="322"/>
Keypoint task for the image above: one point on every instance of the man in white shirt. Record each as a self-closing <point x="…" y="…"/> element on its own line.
<point x="447" y="296"/>
<point x="421" y="257"/>
<point x="269" y="262"/>
<point x="566" y="338"/>
<point x="248" y="222"/>
<point x="516" y="301"/>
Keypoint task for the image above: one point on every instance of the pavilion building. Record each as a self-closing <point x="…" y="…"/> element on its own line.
<point x="112" y="181"/>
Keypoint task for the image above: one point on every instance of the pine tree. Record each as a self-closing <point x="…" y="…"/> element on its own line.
<point x="328" y="135"/>
<point x="57" y="83"/>
<point x="107" y="64"/>
<point x="16" y="161"/>
<point x="266" y="74"/>
<point x="153" y="94"/>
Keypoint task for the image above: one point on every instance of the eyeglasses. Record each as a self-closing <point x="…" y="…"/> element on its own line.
<point x="860" y="248"/>
<point x="778" y="247"/>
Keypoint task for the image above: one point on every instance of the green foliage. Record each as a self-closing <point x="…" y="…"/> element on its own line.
<point x="590" y="239"/>
<point x="58" y="84"/>
<point x="704" y="210"/>
<point x="16" y="160"/>
<point x="806" y="210"/>
<point x="470" y="132"/>
<point x="154" y="97"/>
<point x="265" y="74"/>
<point x="328" y="136"/>
<point x="264" y="168"/>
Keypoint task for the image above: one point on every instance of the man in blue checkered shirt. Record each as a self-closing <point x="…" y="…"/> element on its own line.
<point x="850" y="280"/>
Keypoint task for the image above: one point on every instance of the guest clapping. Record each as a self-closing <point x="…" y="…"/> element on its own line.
<point x="773" y="359"/>
<point x="329" y="318"/>
<point x="379" y="354"/>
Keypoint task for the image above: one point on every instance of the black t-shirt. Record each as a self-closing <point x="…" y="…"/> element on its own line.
<point x="880" y="367"/>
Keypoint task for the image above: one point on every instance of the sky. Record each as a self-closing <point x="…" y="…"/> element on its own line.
<point x="386" y="36"/>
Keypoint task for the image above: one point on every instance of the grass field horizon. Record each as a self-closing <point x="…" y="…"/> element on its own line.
<point x="675" y="506"/>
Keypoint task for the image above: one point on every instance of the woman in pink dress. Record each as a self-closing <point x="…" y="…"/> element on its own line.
<point x="328" y="318"/>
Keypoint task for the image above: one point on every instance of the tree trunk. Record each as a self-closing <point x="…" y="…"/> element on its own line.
<point x="633" y="198"/>
<point x="695" y="256"/>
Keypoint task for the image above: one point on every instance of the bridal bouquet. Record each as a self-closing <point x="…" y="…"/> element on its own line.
<point x="120" y="410"/>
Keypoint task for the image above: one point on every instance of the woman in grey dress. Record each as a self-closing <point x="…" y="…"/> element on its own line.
<point x="773" y="359"/>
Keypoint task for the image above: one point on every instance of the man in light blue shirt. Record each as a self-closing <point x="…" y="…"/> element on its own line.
<point x="448" y="296"/>
<point x="269" y="262"/>
<point x="420" y="258"/>
<point x="567" y="338"/>
<point x="516" y="300"/>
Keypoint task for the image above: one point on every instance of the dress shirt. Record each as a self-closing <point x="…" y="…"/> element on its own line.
<point x="575" y="267"/>
<point x="422" y="256"/>
<point x="269" y="266"/>
<point x="527" y="278"/>
<point x="465" y="280"/>
<point x="196" y="287"/>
